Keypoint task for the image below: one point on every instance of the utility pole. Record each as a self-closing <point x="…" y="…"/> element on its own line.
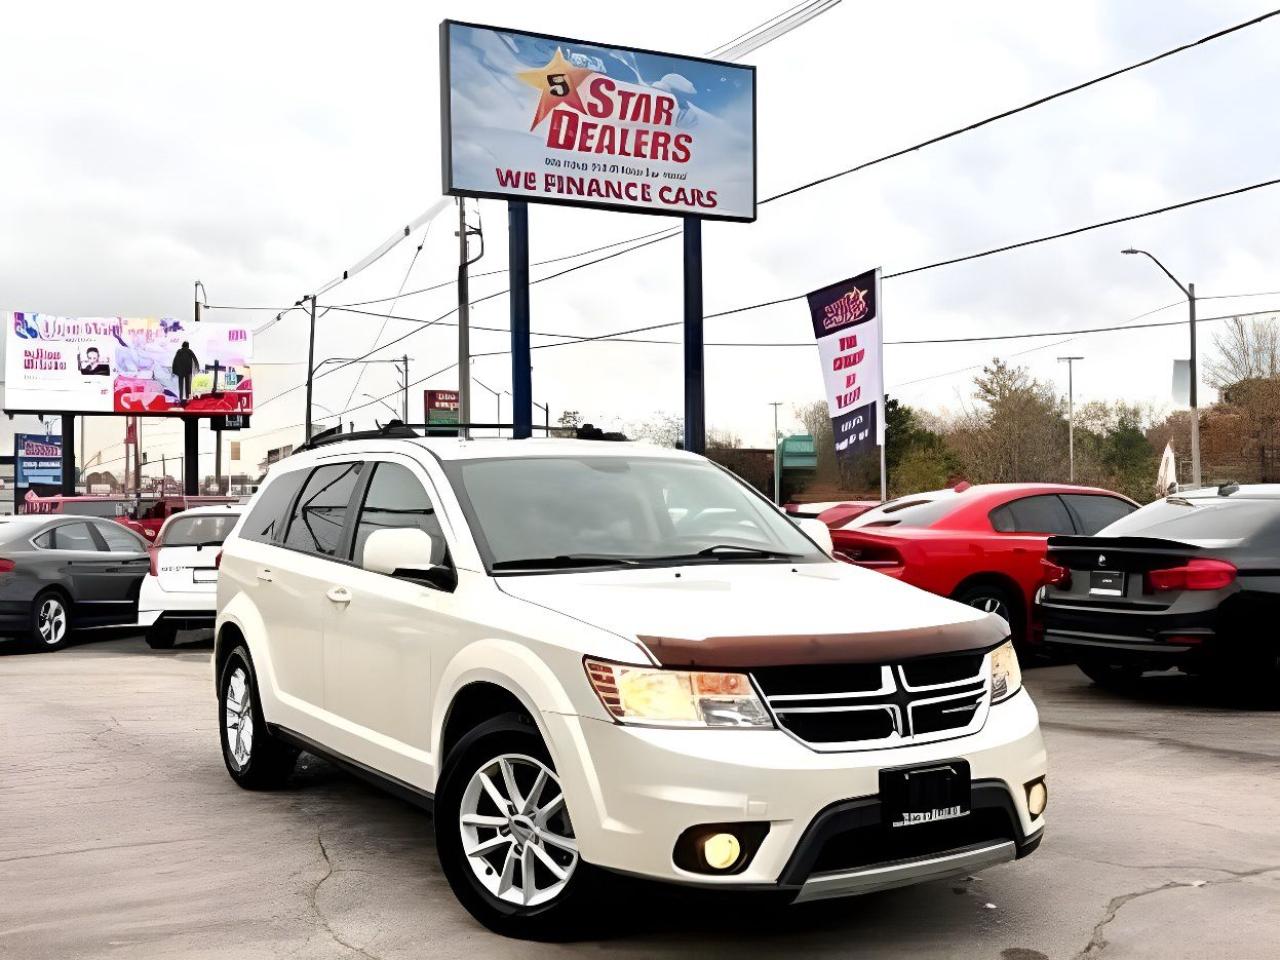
<point x="1189" y="291"/>
<point x="311" y="360"/>
<point x="405" y="360"/>
<point x="777" y="461"/>
<point x="198" y="293"/>
<point x="1071" y="418"/>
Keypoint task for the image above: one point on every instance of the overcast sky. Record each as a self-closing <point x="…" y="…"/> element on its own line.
<point x="263" y="147"/>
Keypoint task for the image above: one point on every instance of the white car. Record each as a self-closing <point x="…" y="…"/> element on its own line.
<point x="180" y="591"/>
<point x="597" y="658"/>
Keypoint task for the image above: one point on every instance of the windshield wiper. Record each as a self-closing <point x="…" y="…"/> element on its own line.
<point x="563" y="561"/>
<point x="732" y="551"/>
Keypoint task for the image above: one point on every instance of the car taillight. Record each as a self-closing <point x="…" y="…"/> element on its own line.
<point x="1054" y="574"/>
<point x="1192" y="575"/>
<point x="154" y="555"/>
<point x="6" y="565"/>
<point x="217" y="560"/>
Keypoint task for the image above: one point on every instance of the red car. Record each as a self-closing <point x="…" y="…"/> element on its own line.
<point x="981" y="545"/>
<point x="144" y="516"/>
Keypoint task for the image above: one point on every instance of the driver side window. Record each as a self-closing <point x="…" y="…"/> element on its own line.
<point x="396" y="499"/>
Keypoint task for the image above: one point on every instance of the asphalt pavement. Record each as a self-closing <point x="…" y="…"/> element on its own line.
<point x="121" y="835"/>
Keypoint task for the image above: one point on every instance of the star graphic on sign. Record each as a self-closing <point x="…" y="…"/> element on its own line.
<point x="558" y="81"/>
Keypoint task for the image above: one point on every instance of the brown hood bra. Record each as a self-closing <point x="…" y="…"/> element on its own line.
<point x="807" y="648"/>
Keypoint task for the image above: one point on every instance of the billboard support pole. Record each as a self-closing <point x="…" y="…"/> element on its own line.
<point x="521" y="364"/>
<point x="190" y="455"/>
<point x="68" y="455"/>
<point x="217" y="460"/>
<point x="695" y="426"/>
<point x="464" y="324"/>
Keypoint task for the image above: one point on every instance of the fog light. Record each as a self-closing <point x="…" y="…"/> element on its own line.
<point x="1037" y="797"/>
<point x="721" y="851"/>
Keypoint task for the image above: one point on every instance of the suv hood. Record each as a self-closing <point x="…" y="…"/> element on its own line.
<point x="733" y="615"/>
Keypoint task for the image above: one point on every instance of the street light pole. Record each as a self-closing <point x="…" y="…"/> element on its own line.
<point x="777" y="465"/>
<point x="1189" y="291"/>
<point x="311" y="361"/>
<point x="1071" y="417"/>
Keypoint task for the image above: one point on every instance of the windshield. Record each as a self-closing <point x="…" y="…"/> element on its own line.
<point x="1201" y="518"/>
<point x="553" y="512"/>
<point x="199" y="531"/>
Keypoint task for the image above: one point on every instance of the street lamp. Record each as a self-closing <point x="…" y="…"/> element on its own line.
<point x="777" y="466"/>
<point x="1189" y="291"/>
<point x="497" y="395"/>
<point x="1071" y="417"/>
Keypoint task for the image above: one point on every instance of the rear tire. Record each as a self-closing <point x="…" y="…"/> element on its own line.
<point x="255" y="758"/>
<point x="1111" y="676"/>
<point x="485" y="858"/>
<point x="160" y="635"/>
<point x="50" y="621"/>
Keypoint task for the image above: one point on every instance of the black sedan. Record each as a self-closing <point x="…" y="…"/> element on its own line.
<point x="1191" y="581"/>
<point x="61" y="573"/>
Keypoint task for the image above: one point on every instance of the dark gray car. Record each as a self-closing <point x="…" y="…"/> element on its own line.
<point x="59" y="573"/>
<point x="1192" y="581"/>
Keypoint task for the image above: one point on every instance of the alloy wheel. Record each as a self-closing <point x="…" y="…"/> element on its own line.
<point x="51" y="622"/>
<point x="516" y="833"/>
<point x="989" y="604"/>
<point x="239" y="718"/>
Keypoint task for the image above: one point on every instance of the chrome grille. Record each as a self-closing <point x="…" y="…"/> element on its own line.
<point x="862" y="707"/>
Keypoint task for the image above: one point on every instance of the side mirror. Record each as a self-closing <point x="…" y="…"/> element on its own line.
<point x="818" y="532"/>
<point x="401" y="550"/>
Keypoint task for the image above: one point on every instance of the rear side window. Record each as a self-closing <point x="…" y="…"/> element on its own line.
<point x="321" y="509"/>
<point x="1045" y="513"/>
<point x="1094" y="511"/>
<point x="207" y="530"/>
<point x="395" y="499"/>
<point x="908" y="512"/>
<point x="74" y="536"/>
<point x="270" y="511"/>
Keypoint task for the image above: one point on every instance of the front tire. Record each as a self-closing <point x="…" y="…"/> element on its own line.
<point x="505" y="840"/>
<point x="50" y="621"/>
<point x="255" y="758"/>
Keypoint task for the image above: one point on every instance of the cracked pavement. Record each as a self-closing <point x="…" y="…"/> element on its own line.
<point x="122" y="836"/>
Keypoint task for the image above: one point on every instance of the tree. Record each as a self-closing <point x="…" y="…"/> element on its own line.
<point x="1244" y="350"/>
<point x="1016" y="433"/>
<point x="664" y="429"/>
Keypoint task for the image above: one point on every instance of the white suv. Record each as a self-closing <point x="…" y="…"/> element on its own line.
<point x="595" y="658"/>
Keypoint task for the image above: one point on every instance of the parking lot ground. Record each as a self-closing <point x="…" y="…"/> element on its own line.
<point x="122" y="836"/>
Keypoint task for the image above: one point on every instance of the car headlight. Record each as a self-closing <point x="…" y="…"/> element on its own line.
<point x="1006" y="675"/>
<point x="676" y="698"/>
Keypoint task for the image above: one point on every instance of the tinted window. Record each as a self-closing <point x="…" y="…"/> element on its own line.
<point x="44" y="541"/>
<point x="1043" y="514"/>
<point x="74" y="536"/>
<point x="118" y="538"/>
<point x="204" y="531"/>
<point x="395" y="499"/>
<point x="1093" y="512"/>
<point x="269" y="512"/>
<point x="316" y="525"/>
<point x="1221" y="518"/>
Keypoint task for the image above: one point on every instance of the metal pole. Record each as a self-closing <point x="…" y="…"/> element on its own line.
<point x="1195" y="406"/>
<point x="695" y="424"/>
<point x="405" y="418"/>
<point x="191" y="456"/>
<point x="777" y="464"/>
<point x="521" y="362"/>
<point x="1071" y="417"/>
<point x="311" y="362"/>
<point x="217" y="460"/>
<point x="464" y="324"/>
<point x="68" y="455"/>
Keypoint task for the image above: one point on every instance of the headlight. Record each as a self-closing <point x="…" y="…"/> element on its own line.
<point x="1006" y="675"/>
<point x="676" y="698"/>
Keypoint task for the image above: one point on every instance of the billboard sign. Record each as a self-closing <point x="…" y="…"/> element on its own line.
<point x="125" y="365"/>
<point x="37" y="468"/>
<point x="441" y="406"/>
<point x="535" y="117"/>
<point x="847" y="325"/>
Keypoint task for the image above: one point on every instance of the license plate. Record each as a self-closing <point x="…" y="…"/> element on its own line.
<point x="911" y="796"/>
<point x="1106" y="583"/>
<point x="204" y="575"/>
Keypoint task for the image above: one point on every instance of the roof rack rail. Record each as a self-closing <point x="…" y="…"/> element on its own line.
<point x="398" y="429"/>
<point x="393" y="428"/>
<point x="1228" y="488"/>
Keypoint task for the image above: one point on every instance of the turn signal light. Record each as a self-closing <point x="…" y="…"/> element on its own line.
<point x="1198" y="574"/>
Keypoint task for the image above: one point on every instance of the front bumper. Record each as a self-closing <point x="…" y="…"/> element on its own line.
<point x="633" y="791"/>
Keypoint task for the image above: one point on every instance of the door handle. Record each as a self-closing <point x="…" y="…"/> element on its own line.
<point x="339" y="594"/>
<point x="264" y="575"/>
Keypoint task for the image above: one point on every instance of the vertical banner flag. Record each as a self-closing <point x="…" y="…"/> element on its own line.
<point x="846" y="322"/>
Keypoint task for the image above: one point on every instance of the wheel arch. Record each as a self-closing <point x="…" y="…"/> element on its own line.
<point x="1007" y="585"/>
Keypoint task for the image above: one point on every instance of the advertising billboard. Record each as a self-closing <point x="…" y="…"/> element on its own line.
<point x="135" y="365"/>
<point x="37" y="468"/>
<point x="847" y="325"/>
<point x="549" y="119"/>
